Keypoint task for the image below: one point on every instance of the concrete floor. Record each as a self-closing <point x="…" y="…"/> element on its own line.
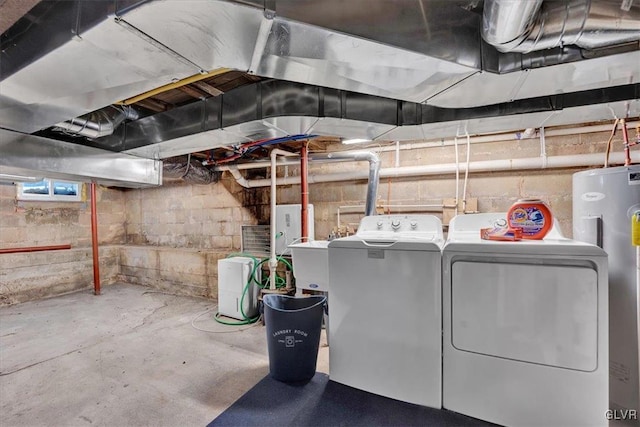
<point x="129" y="357"/>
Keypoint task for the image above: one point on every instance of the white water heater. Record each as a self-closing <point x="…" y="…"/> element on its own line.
<point x="604" y="203"/>
<point x="289" y="225"/>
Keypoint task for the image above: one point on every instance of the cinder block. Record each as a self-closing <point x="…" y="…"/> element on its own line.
<point x="181" y="261"/>
<point x="139" y="256"/>
<point x="222" y="242"/>
<point x="546" y="184"/>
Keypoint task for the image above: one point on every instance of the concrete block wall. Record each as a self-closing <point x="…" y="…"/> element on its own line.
<point x="37" y="223"/>
<point x="34" y="275"/>
<point x="179" y="271"/>
<point x="176" y="234"/>
<point x="188" y="216"/>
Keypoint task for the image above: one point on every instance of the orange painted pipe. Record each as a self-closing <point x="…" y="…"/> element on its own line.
<point x="34" y="249"/>
<point x="94" y="241"/>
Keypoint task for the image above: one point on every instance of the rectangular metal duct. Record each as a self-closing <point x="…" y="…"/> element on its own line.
<point x="27" y="155"/>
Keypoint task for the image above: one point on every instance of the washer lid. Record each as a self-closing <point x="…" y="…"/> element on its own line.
<point x="387" y="241"/>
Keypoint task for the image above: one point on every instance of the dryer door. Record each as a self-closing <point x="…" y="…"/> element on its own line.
<point x="543" y="314"/>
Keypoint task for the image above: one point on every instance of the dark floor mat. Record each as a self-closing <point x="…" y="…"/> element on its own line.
<point x="321" y="402"/>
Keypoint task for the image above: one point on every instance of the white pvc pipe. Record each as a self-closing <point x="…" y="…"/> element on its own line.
<point x="505" y="137"/>
<point x="466" y="176"/>
<point x="581" y="160"/>
<point x="442" y="143"/>
<point x="273" y="261"/>
<point x="455" y="144"/>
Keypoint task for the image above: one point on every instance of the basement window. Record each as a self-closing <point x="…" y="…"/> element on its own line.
<point x="50" y="190"/>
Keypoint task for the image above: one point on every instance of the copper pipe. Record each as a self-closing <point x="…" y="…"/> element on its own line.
<point x="94" y="241"/>
<point x="304" y="192"/>
<point x="34" y="249"/>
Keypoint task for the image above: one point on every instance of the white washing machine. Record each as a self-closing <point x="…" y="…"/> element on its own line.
<point x="525" y="328"/>
<point x="385" y="308"/>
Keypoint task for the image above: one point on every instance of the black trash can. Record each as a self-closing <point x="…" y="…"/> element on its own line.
<point x="293" y="335"/>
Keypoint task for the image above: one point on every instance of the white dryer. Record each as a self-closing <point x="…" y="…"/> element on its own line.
<point x="385" y="308"/>
<point x="525" y="328"/>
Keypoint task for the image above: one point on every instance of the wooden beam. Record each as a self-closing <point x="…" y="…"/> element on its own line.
<point x="208" y="88"/>
<point x="153" y="105"/>
<point x="193" y="92"/>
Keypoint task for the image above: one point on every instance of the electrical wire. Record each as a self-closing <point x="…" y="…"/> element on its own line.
<point x="250" y="146"/>
<point x="613" y="132"/>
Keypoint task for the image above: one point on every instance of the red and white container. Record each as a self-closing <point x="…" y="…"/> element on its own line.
<point x="533" y="216"/>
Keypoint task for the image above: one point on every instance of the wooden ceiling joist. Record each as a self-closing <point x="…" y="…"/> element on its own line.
<point x="207" y="88"/>
<point x="192" y="91"/>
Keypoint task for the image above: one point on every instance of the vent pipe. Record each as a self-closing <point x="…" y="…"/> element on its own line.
<point x="374" y="172"/>
<point x="526" y="26"/>
<point x="99" y="123"/>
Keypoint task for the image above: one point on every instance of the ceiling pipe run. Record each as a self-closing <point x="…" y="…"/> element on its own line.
<point x="582" y="160"/>
<point x="526" y="26"/>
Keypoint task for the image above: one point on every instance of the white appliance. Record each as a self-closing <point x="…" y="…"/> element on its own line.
<point x="233" y="276"/>
<point x="604" y="202"/>
<point x="289" y="225"/>
<point x="311" y="265"/>
<point x="525" y="328"/>
<point x="385" y="308"/>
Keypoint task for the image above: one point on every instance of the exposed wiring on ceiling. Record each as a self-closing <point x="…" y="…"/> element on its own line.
<point x="249" y="147"/>
<point x="186" y="170"/>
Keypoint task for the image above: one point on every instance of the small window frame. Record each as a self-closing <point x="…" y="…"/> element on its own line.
<point x="51" y="196"/>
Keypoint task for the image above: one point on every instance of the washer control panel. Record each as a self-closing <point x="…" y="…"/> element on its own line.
<point x="399" y="225"/>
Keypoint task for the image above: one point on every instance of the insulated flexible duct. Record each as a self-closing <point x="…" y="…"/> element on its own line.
<point x="526" y="26"/>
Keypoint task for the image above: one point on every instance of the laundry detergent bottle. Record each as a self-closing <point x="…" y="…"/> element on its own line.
<point x="533" y="216"/>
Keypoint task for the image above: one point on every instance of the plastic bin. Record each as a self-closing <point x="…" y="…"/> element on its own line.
<point x="293" y="335"/>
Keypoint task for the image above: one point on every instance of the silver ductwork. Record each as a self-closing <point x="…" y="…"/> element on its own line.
<point x="374" y="172"/>
<point x="375" y="69"/>
<point x="527" y="26"/>
<point x="98" y="123"/>
<point x="25" y="157"/>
